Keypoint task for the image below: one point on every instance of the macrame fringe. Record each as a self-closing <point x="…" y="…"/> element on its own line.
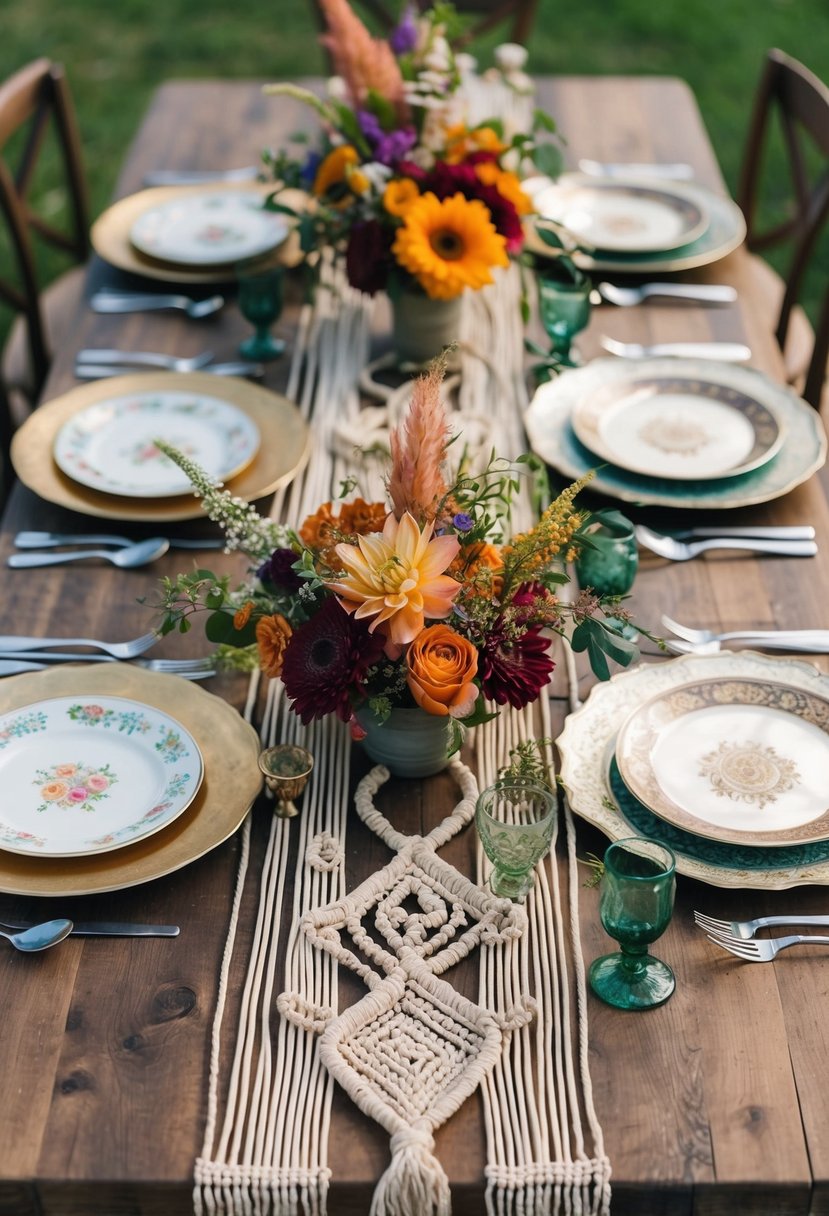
<point x="244" y="1190"/>
<point x="414" y="1183"/>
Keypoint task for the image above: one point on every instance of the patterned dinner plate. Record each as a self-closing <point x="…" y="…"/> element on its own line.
<point x="110" y="446"/>
<point x="672" y="427"/>
<point x="83" y="775"/>
<point x="597" y="793"/>
<point x="209" y="228"/>
<point x="741" y="761"/>
<point x="624" y="217"/>
<point x="548" y="421"/>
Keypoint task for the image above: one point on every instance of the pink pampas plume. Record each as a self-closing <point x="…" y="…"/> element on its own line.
<point x="365" y="63"/>
<point x="418" y="446"/>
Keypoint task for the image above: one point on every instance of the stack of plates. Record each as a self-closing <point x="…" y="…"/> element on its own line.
<point x="191" y="234"/>
<point x="94" y="449"/>
<point x="722" y="758"/>
<point x="106" y="789"/>
<point x="638" y="226"/>
<point x="677" y="432"/>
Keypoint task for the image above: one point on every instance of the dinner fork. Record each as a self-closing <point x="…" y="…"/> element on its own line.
<point x="745" y="929"/>
<point x="701" y="293"/>
<point x="682" y="551"/>
<point x="188" y="669"/>
<point x="142" y="358"/>
<point x="760" y="950"/>
<point x="725" y="352"/>
<point x="103" y="371"/>
<point x="785" y="639"/>
<point x="136" y="301"/>
<point x="118" y="650"/>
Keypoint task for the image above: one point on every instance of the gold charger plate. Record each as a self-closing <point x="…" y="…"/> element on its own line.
<point x="110" y="235"/>
<point x="229" y="746"/>
<point x="283" y="451"/>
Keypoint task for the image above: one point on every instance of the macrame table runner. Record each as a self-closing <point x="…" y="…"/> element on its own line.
<point x="273" y="1065"/>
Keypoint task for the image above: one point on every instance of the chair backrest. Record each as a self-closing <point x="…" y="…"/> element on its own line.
<point x="790" y="93"/>
<point x="517" y="15"/>
<point x="31" y="101"/>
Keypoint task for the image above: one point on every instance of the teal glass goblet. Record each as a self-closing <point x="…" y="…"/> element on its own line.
<point x="260" y="302"/>
<point x="636" y="903"/>
<point x="515" y="819"/>
<point x="564" y="309"/>
<point x="609" y="561"/>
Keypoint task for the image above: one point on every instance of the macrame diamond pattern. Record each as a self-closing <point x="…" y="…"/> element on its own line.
<point x="413" y="1049"/>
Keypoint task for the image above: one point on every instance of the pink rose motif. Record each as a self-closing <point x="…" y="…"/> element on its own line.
<point x="78" y="793"/>
<point x="94" y="711"/>
<point x="97" y="782"/>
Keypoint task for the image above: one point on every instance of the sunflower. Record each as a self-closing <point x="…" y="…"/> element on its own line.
<point x="449" y="244"/>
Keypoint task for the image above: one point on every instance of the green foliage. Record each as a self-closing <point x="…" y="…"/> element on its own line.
<point x="529" y="762"/>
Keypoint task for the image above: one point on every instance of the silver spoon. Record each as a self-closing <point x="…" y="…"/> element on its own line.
<point x="133" y="555"/>
<point x="39" y="937"/>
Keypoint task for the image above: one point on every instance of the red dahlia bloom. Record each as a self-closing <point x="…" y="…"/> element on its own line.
<point x="326" y="660"/>
<point x="515" y="672"/>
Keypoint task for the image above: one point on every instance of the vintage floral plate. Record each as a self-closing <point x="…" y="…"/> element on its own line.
<point x="208" y="228"/>
<point x="110" y="446"/>
<point x="587" y="746"/>
<point x="84" y="775"/>
<point x="742" y="761"/>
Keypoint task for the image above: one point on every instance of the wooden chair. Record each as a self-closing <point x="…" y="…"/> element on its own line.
<point x="791" y="94"/>
<point x="487" y="15"/>
<point x="32" y="101"/>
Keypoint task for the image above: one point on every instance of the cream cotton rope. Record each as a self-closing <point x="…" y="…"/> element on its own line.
<point x="269" y="1102"/>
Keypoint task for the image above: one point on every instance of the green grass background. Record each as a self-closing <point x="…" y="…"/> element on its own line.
<point x="117" y="51"/>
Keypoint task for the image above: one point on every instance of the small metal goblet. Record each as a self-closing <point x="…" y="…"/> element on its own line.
<point x="287" y="768"/>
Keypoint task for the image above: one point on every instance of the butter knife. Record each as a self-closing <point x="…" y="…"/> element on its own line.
<point x="111" y="928"/>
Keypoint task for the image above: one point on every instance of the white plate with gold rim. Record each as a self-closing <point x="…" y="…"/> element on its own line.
<point x="678" y="427"/>
<point x="111" y="446"/>
<point x="629" y="217"/>
<point x="586" y="747"/>
<point x="739" y="760"/>
<point x="84" y="775"/>
<point x="208" y="228"/>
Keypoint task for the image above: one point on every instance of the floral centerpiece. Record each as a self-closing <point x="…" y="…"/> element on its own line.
<point x="421" y="601"/>
<point x="414" y="197"/>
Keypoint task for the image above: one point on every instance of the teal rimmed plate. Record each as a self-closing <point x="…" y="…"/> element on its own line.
<point x="551" y="435"/>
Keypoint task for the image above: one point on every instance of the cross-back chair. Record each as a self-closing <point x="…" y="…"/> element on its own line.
<point x="33" y="101"/>
<point x="794" y="97"/>
<point x="516" y="15"/>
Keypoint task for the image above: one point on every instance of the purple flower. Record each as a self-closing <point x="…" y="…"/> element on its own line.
<point x="278" y="571"/>
<point x="394" y="145"/>
<point x="462" y="522"/>
<point x="369" y="125"/>
<point x="403" y="37"/>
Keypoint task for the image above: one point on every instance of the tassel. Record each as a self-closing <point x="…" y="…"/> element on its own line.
<point x="414" y="1183"/>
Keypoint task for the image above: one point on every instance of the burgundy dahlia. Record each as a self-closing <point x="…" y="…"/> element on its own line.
<point x="367" y="257"/>
<point x="326" y="660"/>
<point x="515" y="671"/>
<point x="278" y="571"/>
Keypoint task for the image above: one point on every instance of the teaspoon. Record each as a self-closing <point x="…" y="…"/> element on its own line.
<point x="39" y="937"/>
<point x="132" y="555"/>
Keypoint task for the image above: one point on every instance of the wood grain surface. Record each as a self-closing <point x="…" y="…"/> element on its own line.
<point x="712" y="1104"/>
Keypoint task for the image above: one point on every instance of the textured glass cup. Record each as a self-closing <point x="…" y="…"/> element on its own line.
<point x="515" y="819"/>
<point x="636" y="903"/>
<point x="611" y="566"/>
<point x="564" y="309"/>
<point x="260" y="302"/>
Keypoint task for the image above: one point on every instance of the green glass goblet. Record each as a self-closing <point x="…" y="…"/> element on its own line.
<point x="260" y="302"/>
<point x="609" y="561"/>
<point x="515" y="819"/>
<point x="636" y="903"/>
<point x="564" y="309"/>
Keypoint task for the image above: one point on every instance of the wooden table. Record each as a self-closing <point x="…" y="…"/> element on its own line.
<point x="714" y="1103"/>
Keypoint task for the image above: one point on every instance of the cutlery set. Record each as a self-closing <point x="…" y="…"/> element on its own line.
<point x="94" y="364"/>
<point x="738" y="936"/>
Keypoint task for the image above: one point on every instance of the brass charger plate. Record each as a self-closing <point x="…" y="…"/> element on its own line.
<point x="283" y="452"/>
<point x="229" y="746"/>
<point x="110" y="235"/>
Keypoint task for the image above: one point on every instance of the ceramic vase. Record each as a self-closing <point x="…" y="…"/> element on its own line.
<point x="410" y="742"/>
<point x="421" y="327"/>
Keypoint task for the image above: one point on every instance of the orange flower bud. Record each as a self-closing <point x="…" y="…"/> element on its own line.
<point x="441" y="666"/>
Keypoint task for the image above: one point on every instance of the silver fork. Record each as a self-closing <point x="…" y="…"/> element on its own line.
<point x="142" y="358"/>
<point x="745" y="929"/>
<point x="760" y="950"/>
<point x="726" y="352"/>
<point x="682" y="551"/>
<point x="103" y="371"/>
<point x="784" y="639"/>
<point x="118" y="650"/>
<point x="188" y="669"/>
<point x="701" y="293"/>
<point x="136" y="301"/>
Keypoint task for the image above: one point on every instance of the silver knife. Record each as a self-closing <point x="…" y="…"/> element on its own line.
<point x="781" y="532"/>
<point x="99" y="371"/>
<point x="106" y="928"/>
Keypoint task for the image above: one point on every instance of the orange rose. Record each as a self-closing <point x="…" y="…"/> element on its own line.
<point x="272" y="634"/>
<point x="441" y="666"/>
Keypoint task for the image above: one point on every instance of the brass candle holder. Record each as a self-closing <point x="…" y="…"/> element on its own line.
<point x="287" y="768"/>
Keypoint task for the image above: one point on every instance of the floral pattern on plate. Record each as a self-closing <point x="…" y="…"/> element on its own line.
<point x="82" y="777"/>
